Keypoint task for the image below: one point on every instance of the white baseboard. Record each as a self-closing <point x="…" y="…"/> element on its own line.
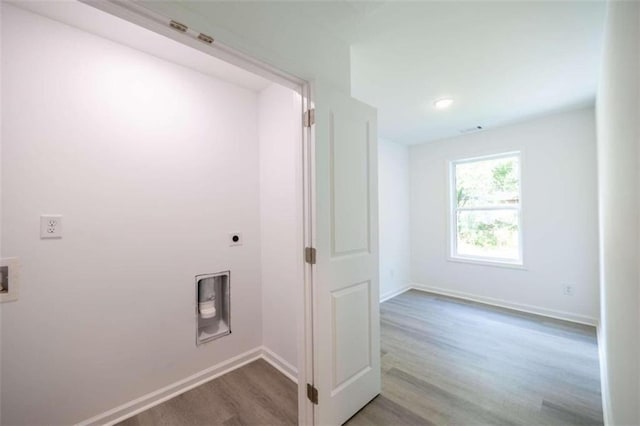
<point x="562" y="315"/>
<point x="152" y="399"/>
<point x="393" y="293"/>
<point x="604" y="379"/>
<point x="159" y="396"/>
<point x="280" y="364"/>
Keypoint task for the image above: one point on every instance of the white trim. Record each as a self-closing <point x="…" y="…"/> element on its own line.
<point x="452" y="241"/>
<point x="156" y="397"/>
<point x="604" y="379"/>
<point x="145" y="402"/>
<point x="142" y="16"/>
<point x="493" y="156"/>
<point x="537" y="310"/>
<point x="393" y="293"/>
<point x="280" y="364"/>
<point x="306" y="408"/>
<point x="483" y="262"/>
<point x="498" y="207"/>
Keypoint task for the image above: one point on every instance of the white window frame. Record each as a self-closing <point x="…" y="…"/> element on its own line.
<point x="454" y="209"/>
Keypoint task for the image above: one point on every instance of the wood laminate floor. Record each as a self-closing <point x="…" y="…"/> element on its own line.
<point x="445" y="361"/>
<point x="449" y="361"/>
<point x="256" y="394"/>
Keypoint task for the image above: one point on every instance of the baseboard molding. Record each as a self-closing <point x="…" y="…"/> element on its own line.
<point x="152" y="399"/>
<point x="280" y="364"/>
<point x="391" y="294"/>
<point x="604" y="379"/>
<point x="562" y="315"/>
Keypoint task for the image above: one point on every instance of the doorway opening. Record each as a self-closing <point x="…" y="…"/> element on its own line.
<point x="162" y="149"/>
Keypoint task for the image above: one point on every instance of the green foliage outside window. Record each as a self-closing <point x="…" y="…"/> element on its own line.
<point x="482" y="187"/>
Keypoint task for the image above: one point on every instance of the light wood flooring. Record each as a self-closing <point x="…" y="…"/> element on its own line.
<point x="445" y="361"/>
<point x="449" y="361"/>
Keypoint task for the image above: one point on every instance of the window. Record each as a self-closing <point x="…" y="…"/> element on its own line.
<point x="486" y="221"/>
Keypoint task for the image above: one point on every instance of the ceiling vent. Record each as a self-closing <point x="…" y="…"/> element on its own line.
<point x="471" y="129"/>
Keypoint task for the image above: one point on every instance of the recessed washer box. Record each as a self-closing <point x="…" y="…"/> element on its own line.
<point x="9" y="279"/>
<point x="213" y="306"/>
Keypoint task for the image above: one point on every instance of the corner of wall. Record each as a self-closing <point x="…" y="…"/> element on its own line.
<point x="604" y="379"/>
<point x="394" y="218"/>
<point x="618" y="105"/>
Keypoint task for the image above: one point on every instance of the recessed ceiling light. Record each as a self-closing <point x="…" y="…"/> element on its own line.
<point x="443" y="103"/>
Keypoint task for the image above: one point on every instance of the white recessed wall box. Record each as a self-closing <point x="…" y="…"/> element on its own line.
<point x="9" y="279"/>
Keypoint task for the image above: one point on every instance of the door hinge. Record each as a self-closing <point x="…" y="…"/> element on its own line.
<point x="309" y="117"/>
<point x="205" y="38"/>
<point x="312" y="393"/>
<point x="178" y="26"/>
<point x="310" y="255"/>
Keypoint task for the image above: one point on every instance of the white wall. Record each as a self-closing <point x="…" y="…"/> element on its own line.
<point x="618" y="116"/>
<point x="559" y="216"/>
<point x="273" y="32"/>
<point x="280" y="221"/>
<point x="151" y="165"/>
<point x="393" y="210"/>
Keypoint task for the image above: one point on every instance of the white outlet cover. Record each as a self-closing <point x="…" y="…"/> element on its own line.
<point x="231" y="238"/>
<point x="50" y="226"/>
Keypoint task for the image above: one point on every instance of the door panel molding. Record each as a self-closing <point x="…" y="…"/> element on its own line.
<point x="350" y="235"/>
<point x="351" y="333"/>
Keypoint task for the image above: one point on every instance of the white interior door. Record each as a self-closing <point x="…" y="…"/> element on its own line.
<point x="346" y="294"/>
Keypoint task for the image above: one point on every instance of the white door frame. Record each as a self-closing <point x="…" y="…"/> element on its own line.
<point x="139" y="15"/>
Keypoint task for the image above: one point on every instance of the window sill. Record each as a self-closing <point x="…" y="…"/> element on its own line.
<point x="481" y="262"/>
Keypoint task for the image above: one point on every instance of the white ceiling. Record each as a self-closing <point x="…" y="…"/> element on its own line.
<point x="500" y="61"/>
<point x="108" y="26"/>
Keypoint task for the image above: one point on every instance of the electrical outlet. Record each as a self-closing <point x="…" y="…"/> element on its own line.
<point x="235" y="239"/>
<point x="568" y="290"/>
<point x="50" y="226"/>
